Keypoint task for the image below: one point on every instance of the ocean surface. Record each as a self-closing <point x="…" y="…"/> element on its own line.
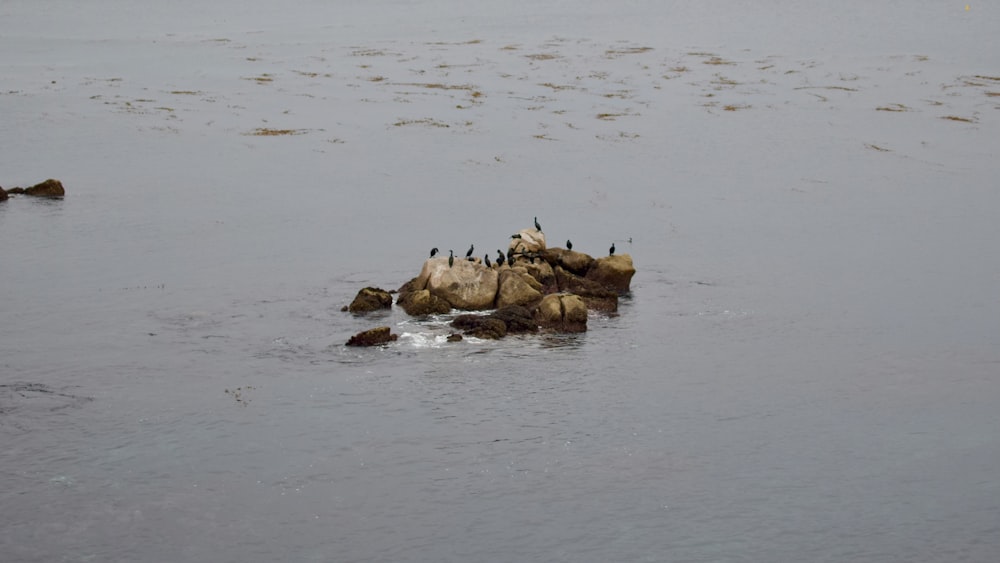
<point x="807" y="367"/>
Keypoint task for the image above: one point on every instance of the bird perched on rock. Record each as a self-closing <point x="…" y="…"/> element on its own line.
<point x="487" y="260"/>
<point x="569" y="245"/>
<point x="611" y="252"/>
<point x="499" y="258"/>
<point x="516" y="235"/>
<point x="434" y="251"/>
<point x="537" y="226"/>
<point x="469" y="253"/>
<point x="451" y="258"/>
<point x="510" y="257"/>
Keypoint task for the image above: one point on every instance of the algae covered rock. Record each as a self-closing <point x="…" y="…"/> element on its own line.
<point x="373" y="337"/>
<point x="370" y="299"/>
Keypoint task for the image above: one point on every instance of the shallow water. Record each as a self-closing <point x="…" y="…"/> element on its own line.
<point x="805" y="369"/>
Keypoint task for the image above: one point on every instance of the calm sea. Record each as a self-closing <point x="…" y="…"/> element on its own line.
<point x="806" y="368"/>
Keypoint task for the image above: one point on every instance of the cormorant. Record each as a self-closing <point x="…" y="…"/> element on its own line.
<point x="499" y="258"/>
<point x="469" y="253"/>
<point x="451" y="258"/>
<point x="510" y="257"/>
<point x="569" y="245"/>
<point x="487" y="260"/>
<point x="516" y="235"/>
<point x="537" y="226"/>
<point x="434" y="251"/>
<point x="612" y="251"/>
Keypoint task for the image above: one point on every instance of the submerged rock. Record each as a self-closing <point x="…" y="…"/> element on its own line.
<point x="370" y="299"/>
<point x="480" y="326"/>
<point x="373" y="337"/>
<point x="516" y="318"/>
<point x="48" y="188"/>
<point x="3" y="194"/>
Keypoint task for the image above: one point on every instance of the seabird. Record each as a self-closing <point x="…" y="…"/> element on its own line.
<point x="469" y="253"/>
<point x="451" y="258"/>
<point x="611" y="252"/>
<point x="569" y="245"/>
<point x="499" y="258"/>
<point x="537" y="226"/>
<point x="487" y="260"/>
<point x="434" y="251"/>
<point x="518" y="235"/>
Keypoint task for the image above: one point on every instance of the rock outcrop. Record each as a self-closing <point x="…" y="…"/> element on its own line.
<point x="48" y="188"/>
<point x="422" y="303"/>
<point x="3" y="194"/>
<point x="373" y="337"/>
<point x="613" y="272"/>
<point x="562" y="312"/>
<point x="596" y="296"/>
<point x="516" y="288"/>
<point x="370" y="299"/>
<point x="465" y="285"/>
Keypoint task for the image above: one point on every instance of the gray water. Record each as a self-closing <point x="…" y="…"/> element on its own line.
<point x="806" y="368"/>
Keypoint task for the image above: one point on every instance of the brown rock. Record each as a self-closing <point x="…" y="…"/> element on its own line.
<point x="421" y="303"/>
<point x="370" y="299"/>
<point x="465" y="285"/>
<point x="373" y="337"/>
<point x="562" y="313"/>
<point x="613" y="272"/>
<point x="515" y="289"/>
<point x="3" y="194"/>
<point x="517" y="319"/>
<point x="480" y="326"/>
<point x="595" y="295"/>
<point x="48" y="188"/>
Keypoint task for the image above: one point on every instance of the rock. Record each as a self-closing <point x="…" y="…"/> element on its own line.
<point x="421" y="303"/>
<point x="373" y="337"/>
<point x="3" y="194"/>
<point x="480" y="326"/>
<point x="466" y="285"/>
<point x="542" y="272"/>
<point x="48" y="188"/>
<point x="515" y="289"/>
<point x="517" y="319"/>
<point x="530" y="241"/>
<point x="370" y="299"/>
<point x="454" y="337"/>
<point x="595" y="295"/>
<point x="571" y="260"/>
<point x="613" y="272"/>
<point x="15" y="191"/>
<point x="562" y="312"/>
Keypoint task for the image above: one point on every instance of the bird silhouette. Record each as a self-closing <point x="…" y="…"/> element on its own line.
<point x="434" y="251"/>
<point x="469" y="253"/>
<point x="611" y="252"/>
<point x="451" y="258"/>
<point x="537" y="226"/>
<point x="569" y="245"/>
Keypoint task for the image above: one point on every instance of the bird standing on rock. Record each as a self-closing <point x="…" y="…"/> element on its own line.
<point x="486" y="259"/>
<point x="537" y="226"/>
<point x="510" y="257"/>
<point x="434" y="251"/>
<point x="612" y="251"/>
<point x="451" y="258"/>
<point x="469" y="253"/>
<point x="569" y="245"/>
<point x="517" y="235"/>
<point x="499" y="258"/>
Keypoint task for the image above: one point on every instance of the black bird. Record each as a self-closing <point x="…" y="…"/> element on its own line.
<point x="515" y="236"/>
<point x="510" y="257"/>
<point x="499" y="258"/>
<point x="487" y="260"/>
<point x="537" y="226"/>
<point x="434" y="251"/>
<point x="569" y="245"/>
<point x="612" y="251"/>
<point x="469" y="253"/>
<point x="451" y="258"/>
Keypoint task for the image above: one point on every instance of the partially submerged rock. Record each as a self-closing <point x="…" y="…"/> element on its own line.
<point x="480" y="326"/>
<point x="3" y="194"/>
<point x="373" y="337"/>
<point x="422" y="303"/>
<point x="595" y="295"/>
<point x="48" y="188"/>
<point x="370" y="299"/>
<point x="465" y="284"/>
<point x="562" y="312"/>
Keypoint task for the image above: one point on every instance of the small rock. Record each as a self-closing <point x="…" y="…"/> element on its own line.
<point x="373" y="337"/>
<point x="48" y="188"/>
<point x="370" y="299"/>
